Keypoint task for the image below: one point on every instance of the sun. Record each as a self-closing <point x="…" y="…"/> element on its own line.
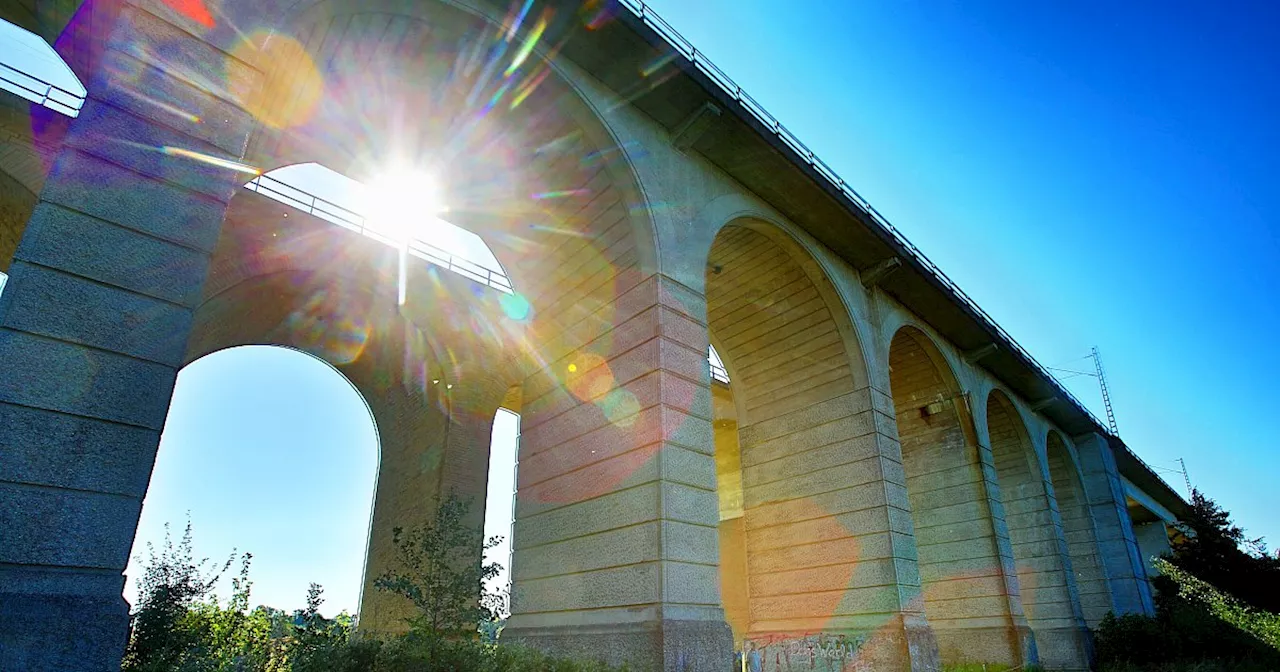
<point x="403" y="204"/>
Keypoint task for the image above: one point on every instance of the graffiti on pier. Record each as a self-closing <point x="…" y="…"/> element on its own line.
<point x="781" y="653"/>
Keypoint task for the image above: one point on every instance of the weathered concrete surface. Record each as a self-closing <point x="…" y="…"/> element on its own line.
<point x="971" y="595"/>
<point x="1117" y="546"/>
<point x="822" y="484"/>
<point x="1078" y="531"/>
<point x="1153" y="542"/>
<point x="90" y="351"/>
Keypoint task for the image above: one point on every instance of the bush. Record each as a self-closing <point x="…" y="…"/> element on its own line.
<point x="1213" y="549"/>
<point x="1197" y="628"/>
<point x="180" y="625"/>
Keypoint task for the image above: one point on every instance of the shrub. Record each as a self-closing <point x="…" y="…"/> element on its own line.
<point x="1212" y="549"/>
<point x="442" y="574"/>
<point x="1197" y="628"/>
<point x="180" y="625"/>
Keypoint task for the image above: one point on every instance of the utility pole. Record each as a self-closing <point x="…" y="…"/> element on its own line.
<point x="1185" y="478"/>
<point x="1106" y="396"/>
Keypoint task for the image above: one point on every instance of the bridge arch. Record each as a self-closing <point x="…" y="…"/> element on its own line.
<point x="969" y="590"/>
<point x="433" y="404"/>
<point x="811" y="523"/>
<point x="526" y="160"/>
<point x="202" y="455"/>
<point x="1046" y="586"/>
<point x="1078" y="528"/>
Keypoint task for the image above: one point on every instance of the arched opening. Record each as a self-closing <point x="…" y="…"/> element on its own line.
<point x="1045" y="585"/>
<point x="733" y="534"/>
<point x="270" y="451"/>
<point x="500" y="494"/>
<point x="531" y="169"/>
<point x="970" y="598"/>
<point x="804" y="491"/>
<point x="411" y="223"/>
<point x="1078" y="530"/>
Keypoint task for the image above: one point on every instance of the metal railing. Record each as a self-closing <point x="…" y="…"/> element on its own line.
<point x="349" y="219"/>
<point x="685" y="48"/>
<point x="41" y="92"/>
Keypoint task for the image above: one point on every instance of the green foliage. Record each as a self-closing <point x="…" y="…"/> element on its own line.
<point x="1217" y="551"/>
<point x="171" y="587"/>
<point x="179" y="625"/>
<point x="442" y="573"/>
<point x="1259" y="629"/>
<point x="1196" y="627"/>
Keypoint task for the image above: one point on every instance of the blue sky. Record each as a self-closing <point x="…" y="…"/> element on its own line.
<point x="1092" y="173"/>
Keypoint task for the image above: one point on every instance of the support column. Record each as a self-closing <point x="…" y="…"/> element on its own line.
<point x="1072" y="506"/>
<point x="616" y="548"/>
<point x="477" y="391"/>
<point x="436" y="442"/>
<point x="413" y="425"/>
<point x="93" y="327"/>
<point x="831" y="549"/>
<point x="1153" y="542"/>
<point x="1045" y="583"/>
<point x="1117" y="546"/>
<point x="1022" y="638"/>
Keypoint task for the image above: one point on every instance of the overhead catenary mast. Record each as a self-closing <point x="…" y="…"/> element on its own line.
<point x="1101" y="375"/>
<point x="1185" y="477"/>
<point x="1106" y="396"/>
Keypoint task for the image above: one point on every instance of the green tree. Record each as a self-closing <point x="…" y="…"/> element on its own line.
<point x="442" y="573"/>
<point x="172" y="583"/>
<point x="180" y="625"/>
<point x="1217" y="551"/>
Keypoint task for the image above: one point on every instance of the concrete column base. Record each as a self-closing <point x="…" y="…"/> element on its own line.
<point x="61" y="632"/>
<point x="898" y="644"/>
<point x="669" y="644"/>
<point x="1005" y="645"/>
<point x="922" y="645"/>
<point x="1068" y="648"/>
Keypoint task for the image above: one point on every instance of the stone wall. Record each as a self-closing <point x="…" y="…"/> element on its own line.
<point x="16" y="204"/>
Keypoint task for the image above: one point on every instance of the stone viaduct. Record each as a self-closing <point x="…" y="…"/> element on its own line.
<point x="876" y="477"/>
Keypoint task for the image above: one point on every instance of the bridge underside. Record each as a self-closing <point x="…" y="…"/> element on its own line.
<point x="872" y="486"/>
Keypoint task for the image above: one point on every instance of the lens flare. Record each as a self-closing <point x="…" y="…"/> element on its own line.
<point x="515" y="306"/>
<point x="330" y="326"/>
<point x="291" y="89"/>
<point x="530" y="41"/>
<point x="195" y="10"/>
<point x="620" y="407"/>
<point x="588" y="376"/>
<point x="211" y="160"/>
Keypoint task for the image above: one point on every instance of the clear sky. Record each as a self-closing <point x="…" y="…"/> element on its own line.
<point x="1091" y="173"/>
